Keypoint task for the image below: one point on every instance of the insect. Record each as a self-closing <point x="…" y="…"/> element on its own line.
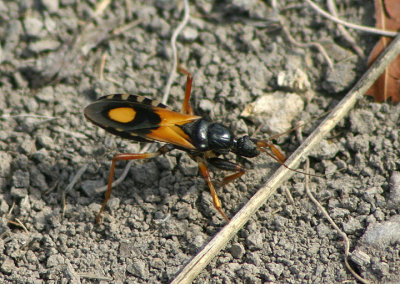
<point x="141" y="119"/>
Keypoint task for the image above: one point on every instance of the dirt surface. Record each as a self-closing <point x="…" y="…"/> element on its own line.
<point x="162" y="214"/>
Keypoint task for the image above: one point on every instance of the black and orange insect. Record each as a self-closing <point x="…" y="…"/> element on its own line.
<point x="141" y="119"/>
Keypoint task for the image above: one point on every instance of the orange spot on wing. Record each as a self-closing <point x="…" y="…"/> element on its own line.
<point x="122" y="114"/>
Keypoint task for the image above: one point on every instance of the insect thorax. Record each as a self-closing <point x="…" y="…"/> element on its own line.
<point x="207" y="135"/>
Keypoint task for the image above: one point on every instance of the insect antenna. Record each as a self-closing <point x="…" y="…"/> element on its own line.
<point x="264" y="145"/>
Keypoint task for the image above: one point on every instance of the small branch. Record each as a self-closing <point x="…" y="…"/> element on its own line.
<point x="119" y="179"/>
<point x="201" y="260"/>
<point x="101" y="7"/>
<point x="332" y="8"/>
<point x="175" y="56"/>
<point x="17" y="222"/>
<point x="102" y="64"/>
<point x="48" y="118"/>
<point x="333" y="224"/>
<point x="316" y="45"/>
<point x="78" y="175"/>
<point x="350" y="25"/>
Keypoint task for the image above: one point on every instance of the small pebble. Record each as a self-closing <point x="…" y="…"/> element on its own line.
<point x="7" y="266"/>
<point x="33" y="26"/>
<point x="394" y="190"/>
<point x="361" y="258"/>
<point x="138" y="268"/>
<point x="237" y="250"/>
<point x="51" y="5"/>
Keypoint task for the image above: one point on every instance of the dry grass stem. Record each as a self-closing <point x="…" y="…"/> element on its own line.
<point x="332" y="8"/>
<point x="350" y="25"/>
<point x="174" y="52"/>
<point x="200" y="261"/>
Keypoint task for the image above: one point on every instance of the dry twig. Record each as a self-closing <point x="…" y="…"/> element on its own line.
<point x="333" y="224"/>
<point x="199" y="262"/>
<point x="121" y="178"/>
<point x="175" y="56"/>
<point x="71" y="185"/>
<point x="330" y="220"/>
<point x="316" y="45"/>
<point x="350" y="25"/>
<point x="344" y="32"/>
<point x="102" y="64"/>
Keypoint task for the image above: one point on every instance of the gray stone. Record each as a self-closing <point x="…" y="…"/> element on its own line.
<point x="384" y="234"/>
<point x="13" y="33"/>
<point x="5" y="163"/>
<point x="50" y="5"/>
<point x="7" y="266"/>
<point x="54" y="260"/>
<point x="394" y="191"/>
<point x="146" y="173"/>
<point x="33" y="26"/>
<point x="277" y="109"/>
<point x="361" y="258"/>
<point x="44" y="45"/>
<point x="237" y="250"/>
<point x="138" y="268"/>
<point x="20" y="179"/>
<point x="325" y="150"/>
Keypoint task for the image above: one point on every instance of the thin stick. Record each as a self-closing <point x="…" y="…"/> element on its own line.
<point x="126" y="27"/>
<point x="318" y="46"/>
<point x="11" y="209"/>
<point x="346" y="35"/>
<point x="333" y="224"/>
<point x="102" y="64"/>
<point x="18" y="222"/>
<point x="101" y="7"/>
<point x="321" y="209"/>
<point x="173" y="45"/>
<point x="350" y="25"/>
<point x="194" y="267"/>
<point x="6" y="115"/>
<point x="71" y="185"/>
<point x="120" y="179"/>
<point x="125" y="172"/>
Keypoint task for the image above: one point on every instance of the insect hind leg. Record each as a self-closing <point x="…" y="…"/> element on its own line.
<point x="124" y="157"/>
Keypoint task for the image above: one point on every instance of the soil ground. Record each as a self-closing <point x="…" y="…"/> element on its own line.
<point x="162" y="214"/>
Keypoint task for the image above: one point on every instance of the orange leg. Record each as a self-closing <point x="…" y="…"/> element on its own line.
<point x="186" y="107"/>
<point x="227" y="166"/>
<point x="127" y="156"/>
<point x="217" y="203"/>
<point x="231" y="177"/>
<point x="276" y="154"/>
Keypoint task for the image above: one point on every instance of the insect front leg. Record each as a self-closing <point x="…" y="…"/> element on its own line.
<point x="124" y="157"/>
<point x="206" y="174"/>
<point x="227" y="166"/>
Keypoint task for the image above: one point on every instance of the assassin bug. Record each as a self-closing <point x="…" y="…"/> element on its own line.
<point x="141" y="119"/>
